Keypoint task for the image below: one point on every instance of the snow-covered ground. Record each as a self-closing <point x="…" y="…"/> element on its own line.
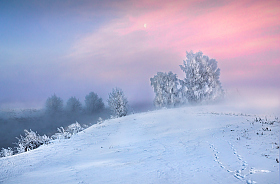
<point x="202" y="144"/>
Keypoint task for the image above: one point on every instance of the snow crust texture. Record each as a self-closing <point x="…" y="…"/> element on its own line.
<point x="182" y="145"/>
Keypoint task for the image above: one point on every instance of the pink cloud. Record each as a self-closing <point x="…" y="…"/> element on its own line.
<point x="232" y="33"/>
<point x="175" y="27"/>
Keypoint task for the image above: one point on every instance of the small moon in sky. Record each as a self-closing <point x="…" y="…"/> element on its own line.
<point x="145" y="25"/>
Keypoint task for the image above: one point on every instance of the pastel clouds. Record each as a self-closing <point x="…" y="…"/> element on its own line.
<point x="72" y="47"/>
<point x="243" y="36"/>
<point x="223" y="30"/>
<point x="230" y="30"/>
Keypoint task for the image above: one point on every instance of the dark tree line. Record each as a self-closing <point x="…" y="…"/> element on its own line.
<point x="93" y="104"/>
<point x="54" y="116"/>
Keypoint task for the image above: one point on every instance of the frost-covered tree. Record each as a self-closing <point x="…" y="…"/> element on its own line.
<point x="61" y="134"/>
<point x="20" y="147"/>
<point x="68" y="132"/>
<point x="74" y="128"/>
<point x="54" y="105"/>
<point x="202" y="78"/>
<point x="166" y="89"/>
<point x="6" y="152"/>
<point x="118" y="103"/>
<point x="31" y="141"/>
<point x="73" y="105"/>
<point x="93" y="103"/>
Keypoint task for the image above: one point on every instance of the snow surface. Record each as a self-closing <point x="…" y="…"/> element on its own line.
<point x="202" y="144"/>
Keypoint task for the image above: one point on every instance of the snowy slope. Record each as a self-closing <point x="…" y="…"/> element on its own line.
<point x="181" y="145"/>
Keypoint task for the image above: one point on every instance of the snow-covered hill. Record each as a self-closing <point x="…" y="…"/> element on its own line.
<point x="181" y="145"/>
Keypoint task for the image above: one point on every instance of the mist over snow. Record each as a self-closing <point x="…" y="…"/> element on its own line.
<point x="132" y="76"/>
<point x="263" y="101"/>
<point x="202" y="144"/>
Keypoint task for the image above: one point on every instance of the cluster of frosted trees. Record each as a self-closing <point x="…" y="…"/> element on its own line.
<point x="201" y="83"/>
<point x="117" y="102"/>
<point x="32" y="140"/>
<point x="54" y="107"/>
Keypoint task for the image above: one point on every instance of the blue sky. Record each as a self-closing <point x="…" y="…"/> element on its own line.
<point x="74" y="47"/>
<point x="35" y="36"/>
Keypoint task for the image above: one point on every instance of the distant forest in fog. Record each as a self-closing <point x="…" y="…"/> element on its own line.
<point x="55" y="114"/>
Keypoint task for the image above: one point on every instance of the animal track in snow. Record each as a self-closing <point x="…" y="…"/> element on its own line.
<point x="240" y="172"/>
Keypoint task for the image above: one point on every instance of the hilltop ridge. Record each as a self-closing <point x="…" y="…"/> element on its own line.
<point x="201" y="144"/>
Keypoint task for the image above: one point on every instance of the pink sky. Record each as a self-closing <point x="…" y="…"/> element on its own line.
<point x="243" y="36"/>
<point x="226" y="32"/>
